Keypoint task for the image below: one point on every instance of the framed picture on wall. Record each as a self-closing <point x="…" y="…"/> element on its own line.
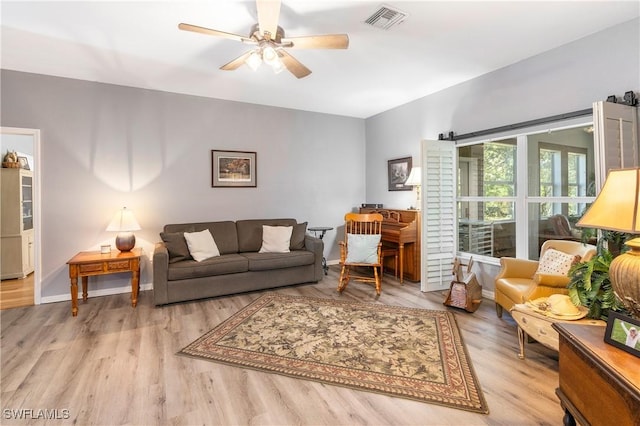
<point x="398" y="172"/>
<point x="233" y="169"/>
<point x="623" y="332"/>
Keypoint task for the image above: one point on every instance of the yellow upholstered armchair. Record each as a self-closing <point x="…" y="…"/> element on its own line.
<point x="520" y="280"/>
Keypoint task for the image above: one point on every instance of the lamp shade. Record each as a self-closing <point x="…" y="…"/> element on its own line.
<point x="616" y="207"/>
<point x="124" y="221"/>
<point x="415" y="177"/>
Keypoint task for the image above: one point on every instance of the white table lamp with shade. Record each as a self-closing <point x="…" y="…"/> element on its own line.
<point x="124" y="222"/>
<point x="415" y="180"/>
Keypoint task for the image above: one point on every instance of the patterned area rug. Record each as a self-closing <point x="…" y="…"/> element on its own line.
<point x="410" y="353"/>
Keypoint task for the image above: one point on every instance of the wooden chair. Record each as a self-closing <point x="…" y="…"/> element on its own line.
<point x="361" y="248"/>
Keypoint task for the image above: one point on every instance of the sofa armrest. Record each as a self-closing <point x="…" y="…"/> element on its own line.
<point x="315" y="245"/>
<point x="160" y="274"/>
<point x="517" y="268"/>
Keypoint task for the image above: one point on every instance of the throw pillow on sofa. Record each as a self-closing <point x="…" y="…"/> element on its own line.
<point x="201" y="245"/>
<point x="276" y="239"/>
<point x="176" y="246"/>
<point x="297" y="236"/>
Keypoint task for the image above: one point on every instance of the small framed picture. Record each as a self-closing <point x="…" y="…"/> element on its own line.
<point x="233" y="169"/>
<point x="398" y="172"/>
<point x="24" y="163"/>
<point x="623" y="332"/>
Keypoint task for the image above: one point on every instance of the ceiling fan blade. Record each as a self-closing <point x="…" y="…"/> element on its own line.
<point x="236" y="63"/>
<point x="209" y="31"/>
<point x="293" y="65"/>
<point x="328" y="41"/>
<point x="268" y="16"/>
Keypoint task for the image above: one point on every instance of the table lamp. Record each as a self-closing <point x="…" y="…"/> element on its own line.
<point x="415" y="180"/>
<point x="124" y="222"/>
<point x="616" y="209"/>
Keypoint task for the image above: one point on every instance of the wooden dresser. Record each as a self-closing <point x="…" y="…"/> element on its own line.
<point x="599" y="383"/>
<point x="401" y="228"/>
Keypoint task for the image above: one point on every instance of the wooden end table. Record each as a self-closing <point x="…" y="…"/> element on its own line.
<point x="88" y="263"/>
<point x="599" y="384"/>
<point x="540" y="327"/>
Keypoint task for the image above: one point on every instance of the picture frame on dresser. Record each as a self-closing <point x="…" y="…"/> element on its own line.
<point x="623" y="332"/>
<point x="397" y="172"/>
<point x="233" y="169"/>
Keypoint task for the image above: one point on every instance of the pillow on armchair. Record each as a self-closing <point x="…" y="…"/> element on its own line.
<point x="554" y="266"/>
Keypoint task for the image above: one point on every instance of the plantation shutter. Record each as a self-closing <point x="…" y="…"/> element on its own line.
<point x="615" y="138"/>
<point x="438" y="214"/>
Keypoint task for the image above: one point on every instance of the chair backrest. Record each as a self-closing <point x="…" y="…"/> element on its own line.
<point x="585" y="251"/>
<point x="359" y="223"/>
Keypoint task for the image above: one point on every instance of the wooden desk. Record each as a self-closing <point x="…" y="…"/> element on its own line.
<point x="599" y="383"/>
<point x="539" y="327"/>
<point x="88" y="263"/>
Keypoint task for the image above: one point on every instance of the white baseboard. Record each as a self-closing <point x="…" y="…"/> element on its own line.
<point x="96" y="293"/>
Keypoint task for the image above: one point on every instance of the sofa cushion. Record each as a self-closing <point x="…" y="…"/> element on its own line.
<point x="176" y="246"/>
<point x="201" y="245"/>
<point x="267" y="261"/>
<point x="250" y="232"/>
<point x="221" y="265"/>
<point x="298" y="235"/>
<point x="224" y="233"/>
<point x="276" y="239"/>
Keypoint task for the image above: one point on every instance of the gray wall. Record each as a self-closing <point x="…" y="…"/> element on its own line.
<point x="566" y="79"/>
<point x="105" y="146"/>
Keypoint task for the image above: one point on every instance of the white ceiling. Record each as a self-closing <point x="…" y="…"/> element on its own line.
<point x="439" y="45"/>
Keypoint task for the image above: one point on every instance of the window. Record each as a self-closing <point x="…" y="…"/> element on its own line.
<point x="497" y="202"/>
<point x="563" y="172"/>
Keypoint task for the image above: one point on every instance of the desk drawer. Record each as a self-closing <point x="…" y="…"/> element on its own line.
<point x="120" y="265"/>
<point x="89" y="267"/>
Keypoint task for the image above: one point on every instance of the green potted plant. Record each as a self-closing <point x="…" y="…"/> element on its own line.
<point x="590" y="285"/>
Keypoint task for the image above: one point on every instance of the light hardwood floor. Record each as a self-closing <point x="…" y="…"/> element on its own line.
<point x="16" y="293"/>
<point x="116" y="365"/>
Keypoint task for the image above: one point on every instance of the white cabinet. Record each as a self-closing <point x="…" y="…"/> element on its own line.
<point x="16" y="223"/>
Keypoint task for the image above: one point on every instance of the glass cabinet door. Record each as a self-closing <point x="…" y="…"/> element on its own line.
<point x="27" y="202"/>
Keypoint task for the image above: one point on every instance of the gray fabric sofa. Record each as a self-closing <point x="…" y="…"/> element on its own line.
<point x="239" y="268"/>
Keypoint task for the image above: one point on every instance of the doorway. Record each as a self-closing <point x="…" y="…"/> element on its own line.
<point x="22" y="288"/>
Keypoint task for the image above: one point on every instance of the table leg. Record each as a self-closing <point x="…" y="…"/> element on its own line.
<point x="73" y="274"/>
<point x="568" y="419"/>
<point x="401" y="250"/>
<point x="85" y="283"/>
<point x="522" y="336"/>
<point x="135" y="283"/>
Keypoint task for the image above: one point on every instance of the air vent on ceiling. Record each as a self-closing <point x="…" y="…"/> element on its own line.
<point x="386" y="17"/>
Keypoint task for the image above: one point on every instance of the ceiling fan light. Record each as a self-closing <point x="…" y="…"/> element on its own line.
<point x="278" y="66"/>
<point x="253" y="61"/>
<point x="270" y="56"/>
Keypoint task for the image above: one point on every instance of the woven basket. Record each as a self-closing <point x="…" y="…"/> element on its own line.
<point x="11" y="165"/>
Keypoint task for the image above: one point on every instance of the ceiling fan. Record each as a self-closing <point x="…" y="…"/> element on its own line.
<point x="271" y="42"/>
